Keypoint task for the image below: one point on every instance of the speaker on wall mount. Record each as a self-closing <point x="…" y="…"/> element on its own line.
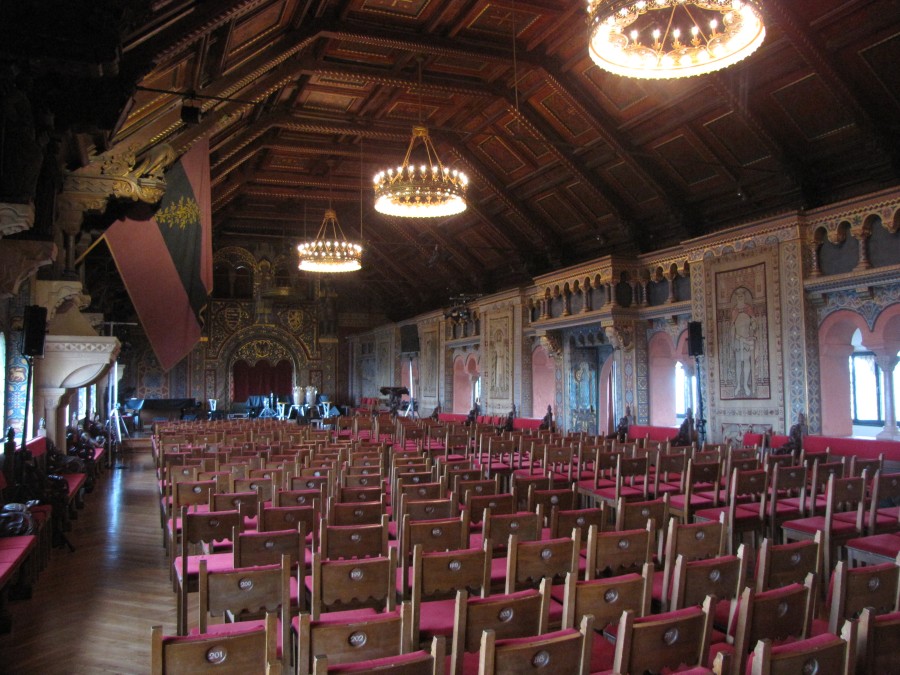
<point x="695" y="338"/>
<point x="33" y="330"/>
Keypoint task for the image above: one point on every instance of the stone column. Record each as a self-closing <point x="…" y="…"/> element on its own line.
<point x="887" y="361"/>
<point x="46" y="405"/>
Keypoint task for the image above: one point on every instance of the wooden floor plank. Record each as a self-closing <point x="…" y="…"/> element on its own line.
<point x="92" y="609"/>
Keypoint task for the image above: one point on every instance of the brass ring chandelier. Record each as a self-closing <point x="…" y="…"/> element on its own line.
<point x="664" y="39"/>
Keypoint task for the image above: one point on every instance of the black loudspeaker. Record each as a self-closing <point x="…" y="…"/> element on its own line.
<point x="695" y="338"/>
<point x="409" y="339"/>
<point x="33" y="330"/>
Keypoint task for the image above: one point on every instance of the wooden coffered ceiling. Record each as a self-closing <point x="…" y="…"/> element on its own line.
<point x="304" y="101"/>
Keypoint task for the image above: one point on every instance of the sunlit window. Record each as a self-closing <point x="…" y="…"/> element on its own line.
<point x="867" y="389"/>
<point x="685" y="386"/>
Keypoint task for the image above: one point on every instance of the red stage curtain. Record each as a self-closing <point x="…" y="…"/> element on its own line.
<point x="262" y="379"/>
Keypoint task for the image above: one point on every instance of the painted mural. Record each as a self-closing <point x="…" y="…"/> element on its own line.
<point x="741" y="319"/>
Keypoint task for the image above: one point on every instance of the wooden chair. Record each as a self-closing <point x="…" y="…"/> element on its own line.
<point x="694" y="541"/>
<point x="614" y="553"/>
<point x="565" y="499"/>
<point x="199" y="530"/>
<point x="440" y="534"/>
<point x="843" y="519"/>
<point x="523" y="484"/>
<point x="563" y="651"/>
<point x="528" y="562"/>
<point x="745" y="509"/>
<point x="342" y="585"/>
<point x="668" y="478"/>
<point x="422" y="662"/>
<point x="436" y="578"/>
<point x="238" y="594"/>
<point x="351" y="639"/>
<point x="878" y="643"/>
<point x="605" y="600"/>
<point x="852" y="590"/>
<point x="723" y="577"/>
<point x="631" y="482"/>
<point x="701" y="490"/>
<point x="786" y="498"/>
<point x="353" y="541"/>
<point x="778" y="614"/>
<point x="252" y="651"/>
<point x="669" y="640"/>
<point x="634" y="515"/>
<point x="522" y="614"/>
<point x="779" y="565"/>
<point x="356" y="513"/>
<point x="562" y="522"/>
<point x="189" y="493"/>
<point x="825" y="654"/>
<point x="885" y="489"/>
<point x="526" y="525"/>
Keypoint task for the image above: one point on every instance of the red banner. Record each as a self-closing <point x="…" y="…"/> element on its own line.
<point x="166" y="262"/>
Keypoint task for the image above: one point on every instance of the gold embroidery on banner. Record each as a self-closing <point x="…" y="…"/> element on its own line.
<point x="182" y="213"/>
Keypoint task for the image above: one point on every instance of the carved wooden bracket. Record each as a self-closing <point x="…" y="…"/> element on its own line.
<point x="19" y="260"/>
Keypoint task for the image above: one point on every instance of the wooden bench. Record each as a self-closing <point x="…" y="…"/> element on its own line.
<point x="15" y="552"/>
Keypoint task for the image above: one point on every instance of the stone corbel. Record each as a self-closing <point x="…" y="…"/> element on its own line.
<point x="15" y="218"/>
<point x="551" y="340"/>
<point x="115" y="174"/>
<point x="21" y="259"/>
<point x="54" y="295"/>
<point x="620" y="337"/>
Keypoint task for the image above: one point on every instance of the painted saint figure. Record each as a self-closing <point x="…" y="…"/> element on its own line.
<point x="743" y="341"/>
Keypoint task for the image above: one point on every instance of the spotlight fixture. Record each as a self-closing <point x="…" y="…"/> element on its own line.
<point x="666" y="39"/>
<point x="191" y="113"/>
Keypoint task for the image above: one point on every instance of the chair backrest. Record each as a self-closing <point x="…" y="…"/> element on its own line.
<point x="353" y="639"/>
<point x="669" y="640"/>
<point x="521" y="614"/>
<point x="525" y="524"/>
<point x="191" y="492"/>
<point x="273" y="518"/>
<point x="723" y="577"/>
<point x="249" y="591"/>
<point x="878" y="644"/>
<point x="420" y="491"/>
<point x="778" y="614"/>
<point x="859" y="464"/>
<point x="356" y="513"/>
<point x="618" y="552"/>
<point x="528" y="562"/>
<point x="238" y="653"/>
<point x="562" y="522"/>
<point x="779" y="565"/>
<point x="788" y="482"/>
<point x="263" y="487"/>
<point x="425" y="508"/>
<point x="266" y="548"/>
<point x="694" y="541"/>
<point x="825" y="654"/>
<point x="314" y="497"/>
<point x="670" y="468"/>
<point x="852" y="590"/>
<point x="476" y="504"/>
<point x="358" y="493"/>
<point x="443" y="534"/>
<point x="606" y="599"/>
<point x="559" y="498"/>
<point x="421" y="662"/>
<point x="351" y="584"/>
<point x="353" y="541"/>
<point x="563" y="651"/>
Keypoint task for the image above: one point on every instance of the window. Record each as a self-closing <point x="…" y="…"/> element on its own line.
<point x="866" y="389"/>
<point x="685" y="386"/>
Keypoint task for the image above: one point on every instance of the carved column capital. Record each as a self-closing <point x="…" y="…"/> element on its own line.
<point x="19" y="260"/>
<point x="551" y="340"/>
<point x="15" y="218"/>
<point x="54" y="294"/>
<point x="620" y="337"/>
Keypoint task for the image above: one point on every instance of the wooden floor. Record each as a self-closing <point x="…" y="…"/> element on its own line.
<point x="91" y="610"/>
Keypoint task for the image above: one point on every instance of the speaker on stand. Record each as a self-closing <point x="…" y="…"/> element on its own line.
<point x="695" y="349"/>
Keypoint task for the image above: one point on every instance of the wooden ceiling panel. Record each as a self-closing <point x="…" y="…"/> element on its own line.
<point x="559" y="152"/>
<point x="812" y="108"/>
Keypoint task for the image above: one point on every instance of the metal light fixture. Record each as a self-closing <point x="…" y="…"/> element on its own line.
<point x="666" y="39"/>
<point x="330" y="252"/>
